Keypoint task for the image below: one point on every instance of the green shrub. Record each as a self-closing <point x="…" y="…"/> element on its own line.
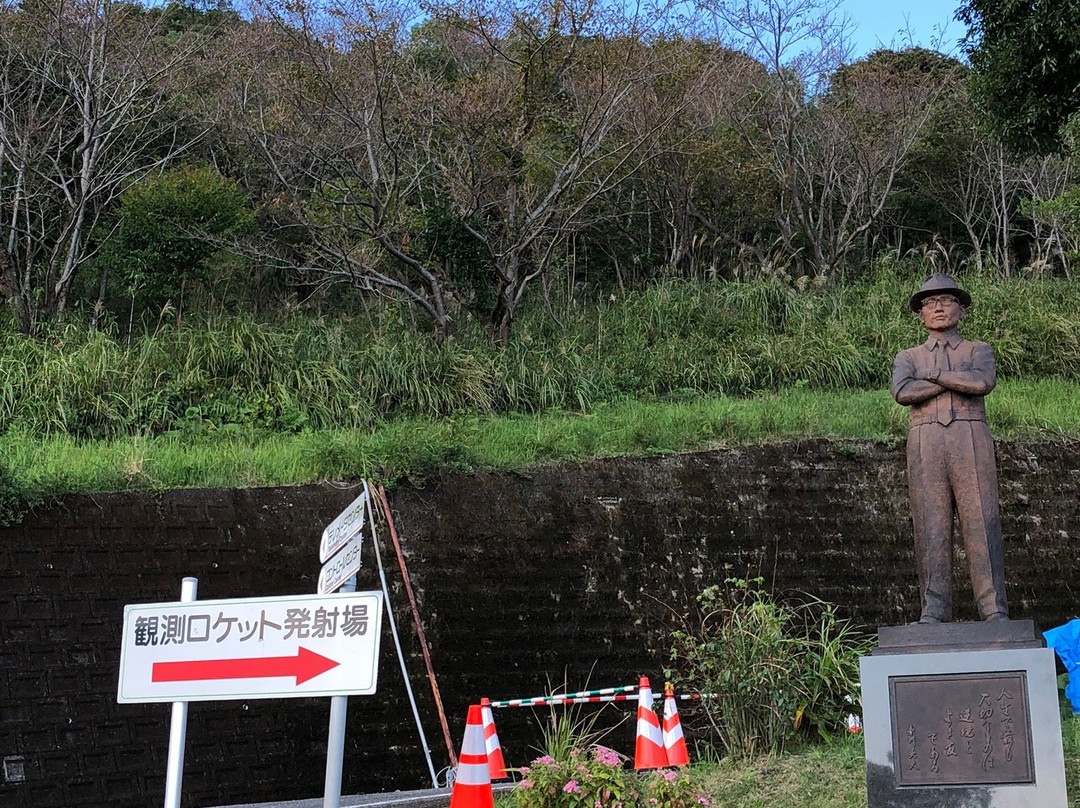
<point x="169" y="226"/>
<point x="768" y="670"/>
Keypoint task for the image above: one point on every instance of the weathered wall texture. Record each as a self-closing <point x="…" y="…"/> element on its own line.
<point x="572" y="572"/>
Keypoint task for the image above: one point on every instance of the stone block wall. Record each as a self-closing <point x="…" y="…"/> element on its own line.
<point x="570" y="573"/>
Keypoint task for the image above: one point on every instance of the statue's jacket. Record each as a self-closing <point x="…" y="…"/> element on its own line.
<point x="974" y="359"/>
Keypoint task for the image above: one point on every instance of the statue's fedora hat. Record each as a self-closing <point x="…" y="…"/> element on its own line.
<point x="939" y="284"/>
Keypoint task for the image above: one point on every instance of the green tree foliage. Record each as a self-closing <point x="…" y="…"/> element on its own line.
<point x="1026" y="58"/>
<point x="834" y="156"/>
<point x="86" y="108"/>
<point x="183" y="16"/>
<point x="1060" y="219"/>
<point x="928" y="203"/>
<point x="169" y="227"/>
<point x="549" y="114"/>
<point x="461" y="165"/>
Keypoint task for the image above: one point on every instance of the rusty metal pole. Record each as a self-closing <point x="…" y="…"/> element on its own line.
<point x="419" y="625"/>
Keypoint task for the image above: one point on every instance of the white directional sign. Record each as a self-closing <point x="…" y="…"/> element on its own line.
<point x="216" y="650"/>
<point x="341" y="567"/>
<point x="348" y="523"/>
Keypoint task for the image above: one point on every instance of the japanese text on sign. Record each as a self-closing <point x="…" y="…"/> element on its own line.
<point x="347" y="524"/>
<point x="217" y="627"/>
<point x="962" y="729"/>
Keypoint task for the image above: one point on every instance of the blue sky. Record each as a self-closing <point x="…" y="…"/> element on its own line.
<point x="879" y="23"/>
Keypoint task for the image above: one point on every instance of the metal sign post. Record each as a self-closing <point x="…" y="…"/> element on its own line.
<point x="335" y="741"/>
<point x="174" y="773"/>
<point x="339" y="549"/>
<point x="310" y="645"/>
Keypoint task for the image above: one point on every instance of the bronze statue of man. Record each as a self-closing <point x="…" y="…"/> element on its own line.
<point x="950" y="454"/>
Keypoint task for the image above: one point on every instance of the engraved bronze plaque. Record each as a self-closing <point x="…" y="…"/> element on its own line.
<point x="961" y="729"/>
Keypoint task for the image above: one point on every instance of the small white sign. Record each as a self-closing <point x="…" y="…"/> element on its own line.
<point x="348" y="523"/>
<point x="217" y="650"/>
<point x="341" y="567"/>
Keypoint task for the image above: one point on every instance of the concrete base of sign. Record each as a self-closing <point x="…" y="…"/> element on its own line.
<point x="963" y="729"/>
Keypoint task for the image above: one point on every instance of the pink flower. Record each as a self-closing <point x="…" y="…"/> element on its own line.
<point x="526" y="784"/>
<point x="544" y="759"/>
<point x="702" y="799"/>
<point x="572" y="787"/>
<point x="605" y="756"/>
<point x="671" y="776"/>
<point x="581" y="767"/>
<point x="524" y="770"/>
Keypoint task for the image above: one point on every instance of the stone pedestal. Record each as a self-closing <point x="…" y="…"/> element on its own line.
<point x="962" y="715"/>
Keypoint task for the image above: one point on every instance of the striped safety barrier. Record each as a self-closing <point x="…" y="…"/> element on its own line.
<point x="624" y="693"/>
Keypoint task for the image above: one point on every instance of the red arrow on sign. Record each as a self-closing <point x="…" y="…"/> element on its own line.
<point x="305" y="665"/>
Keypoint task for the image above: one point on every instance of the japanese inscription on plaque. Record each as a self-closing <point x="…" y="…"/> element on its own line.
<point x="961" y="729"/>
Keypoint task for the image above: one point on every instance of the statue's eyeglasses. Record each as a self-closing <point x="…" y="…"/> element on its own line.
<point x="943" y="300"/>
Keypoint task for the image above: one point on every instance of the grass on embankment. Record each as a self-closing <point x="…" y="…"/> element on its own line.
<point x="1043" y="410"/>
<point x="668" y="342"/>
<point x="814" y="776"/>
<point x="819" y="776"/>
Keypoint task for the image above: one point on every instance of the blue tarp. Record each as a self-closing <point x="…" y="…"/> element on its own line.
<point x="1065" y="640"/>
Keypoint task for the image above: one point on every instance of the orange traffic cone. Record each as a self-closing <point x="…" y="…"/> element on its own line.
<point x="649" y="749"/>
<point x="472" y="784"/>
<point x="496" y="764"/>
<point x="674" y="743"/>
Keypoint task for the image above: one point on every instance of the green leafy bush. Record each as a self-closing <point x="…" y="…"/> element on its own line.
<point x="769" y="670"/>
<point x="170" y="225"/>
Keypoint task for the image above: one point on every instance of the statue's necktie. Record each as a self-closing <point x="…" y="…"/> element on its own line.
<point x="943" y="403"/>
